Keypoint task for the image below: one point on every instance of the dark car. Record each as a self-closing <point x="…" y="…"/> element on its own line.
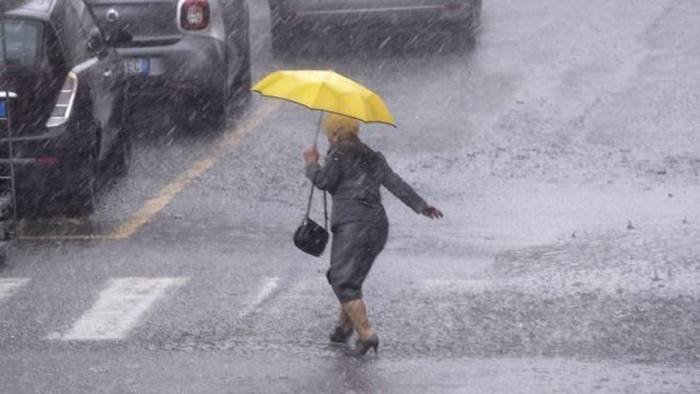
<point x="292" y="18"/>
<point x="64" y="88"/>
<point x="195" y="53"/>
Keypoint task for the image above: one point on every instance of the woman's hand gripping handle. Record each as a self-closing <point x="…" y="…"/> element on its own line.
<point x="311" y="155"/>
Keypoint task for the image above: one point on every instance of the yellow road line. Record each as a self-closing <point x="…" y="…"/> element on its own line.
<point x="165" y="195"/>
<point x="88" y="237"/>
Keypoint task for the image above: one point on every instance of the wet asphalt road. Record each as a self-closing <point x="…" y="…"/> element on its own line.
<point x="563" y="147"/>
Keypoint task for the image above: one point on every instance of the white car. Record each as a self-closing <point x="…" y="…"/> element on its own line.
<point x="291" y="18"/>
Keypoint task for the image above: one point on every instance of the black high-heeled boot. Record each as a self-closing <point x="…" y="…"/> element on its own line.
<point x="341" y="334"/>
<point x="362" y="347"/>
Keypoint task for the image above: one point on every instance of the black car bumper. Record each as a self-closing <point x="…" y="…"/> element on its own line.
<point x="409" y="17"/>
<point x="45" y="158"/>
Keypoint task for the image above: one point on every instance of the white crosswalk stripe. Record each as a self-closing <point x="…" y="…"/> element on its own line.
<point x="266" y="292"/>
<point x="9" y="287"/>
<point x="119" y="308"/>
<point x="123" y="303"/>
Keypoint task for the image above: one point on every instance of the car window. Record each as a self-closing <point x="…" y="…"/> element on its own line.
<point x="23" y="42"/>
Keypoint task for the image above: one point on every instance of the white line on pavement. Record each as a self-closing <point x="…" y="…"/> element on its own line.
<point x="268" y="289"/>
<point x="119" y="308"/>
<point x="9" y="286"/>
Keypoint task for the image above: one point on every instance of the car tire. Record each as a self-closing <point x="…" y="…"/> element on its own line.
<point x="239" y="91"/>
<point x="202" y="113"/>
<point x="81" y="191"/>
<point x="121" y="155"/>
<point x="212" y="111"/>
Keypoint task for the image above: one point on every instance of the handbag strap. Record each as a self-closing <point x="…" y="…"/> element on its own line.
<point x="325" y="208"/>
<point x="325" y="205"/>
<point x="311" y="197"/>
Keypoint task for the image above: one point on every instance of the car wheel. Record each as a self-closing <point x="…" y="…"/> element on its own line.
<point x="201" y="113"/>
<point x="212" y="111"/>
<point x="184" y="114"/>
<point x="239" y="91"/>
<point x="121" y="155"/>
<point x="81" y="192"/>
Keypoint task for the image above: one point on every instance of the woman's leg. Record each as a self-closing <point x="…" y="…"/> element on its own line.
<point x="344" y="320"/>
<point x="343" y="329"/>
<point x="355" y="247"/>
<point x="356" y="310"/>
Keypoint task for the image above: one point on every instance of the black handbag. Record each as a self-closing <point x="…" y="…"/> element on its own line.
<point x="310" y="237"/>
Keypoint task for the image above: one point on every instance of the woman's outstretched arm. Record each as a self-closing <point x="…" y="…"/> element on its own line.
<point x="326" y="177"/>
<point x="403" y="191"/>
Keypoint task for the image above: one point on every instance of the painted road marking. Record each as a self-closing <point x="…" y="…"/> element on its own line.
<point x="266" y="292"/>
<point x="158" y="202"/>
<point x="303" y="290"/>
<point x="9" y="286"/>
<point x="26" y="229"/>
<point x="166" y="194"/>
<point x="119" y="308"/>
<point x="87" y="237"/>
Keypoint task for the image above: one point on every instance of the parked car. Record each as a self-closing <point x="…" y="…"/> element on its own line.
<point x="292" y="18"/>
<point x="192" y="52"/>
<point x="63" y="87"/>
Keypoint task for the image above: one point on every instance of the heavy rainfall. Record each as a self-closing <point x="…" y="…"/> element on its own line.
<point x="157" y="158"/>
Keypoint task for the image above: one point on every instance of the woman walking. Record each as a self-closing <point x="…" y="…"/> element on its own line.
<point x="352" y="174"/>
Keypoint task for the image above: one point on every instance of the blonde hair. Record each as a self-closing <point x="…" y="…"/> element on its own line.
<point x="336" y="126"/>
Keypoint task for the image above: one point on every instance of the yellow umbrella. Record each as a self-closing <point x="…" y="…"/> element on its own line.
<point x="326" y="91"/>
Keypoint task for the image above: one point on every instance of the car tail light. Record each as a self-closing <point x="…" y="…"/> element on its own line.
<point x="194" y="14"/>
<point x="46" y="161"/>
<point x="64" y="105"/>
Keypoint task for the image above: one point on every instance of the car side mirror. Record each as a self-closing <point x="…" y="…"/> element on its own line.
<point x="118" y="37"/>
<point x="96" y="44"/>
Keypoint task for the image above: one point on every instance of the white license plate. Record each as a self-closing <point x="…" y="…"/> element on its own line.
<point x="137" y="65"/>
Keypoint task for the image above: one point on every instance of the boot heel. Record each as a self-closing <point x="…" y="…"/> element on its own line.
<point x="362" y="347"/>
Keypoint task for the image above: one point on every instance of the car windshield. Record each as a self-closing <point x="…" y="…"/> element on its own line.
<point x="22" y="44"/>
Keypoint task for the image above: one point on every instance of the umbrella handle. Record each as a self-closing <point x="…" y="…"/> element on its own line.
<point x="318" y="129"/>
<point x="311" y="193"/>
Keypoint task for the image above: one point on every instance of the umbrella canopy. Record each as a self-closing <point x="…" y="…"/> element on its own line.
<point x="326" y="91"/>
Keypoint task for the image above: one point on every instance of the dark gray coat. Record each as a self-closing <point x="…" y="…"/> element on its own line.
<point x="353" y="174"/>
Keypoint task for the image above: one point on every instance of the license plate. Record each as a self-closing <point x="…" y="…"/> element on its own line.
<point x="137" y="65"/>
<point x="3" y="109"/>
